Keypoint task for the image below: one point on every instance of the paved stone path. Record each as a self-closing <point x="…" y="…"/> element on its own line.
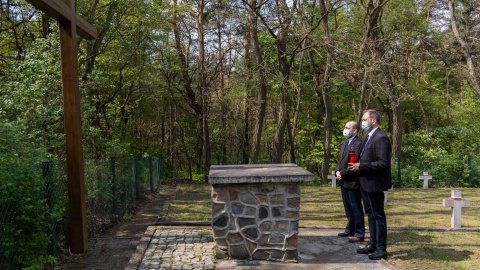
<point x="174" y="248"/>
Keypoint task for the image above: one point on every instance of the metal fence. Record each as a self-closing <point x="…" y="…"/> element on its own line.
<point x="113" y="188"/>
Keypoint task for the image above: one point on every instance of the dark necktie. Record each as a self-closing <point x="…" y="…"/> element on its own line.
<point x="345" y="147"/>
<point x="362" y="148"/>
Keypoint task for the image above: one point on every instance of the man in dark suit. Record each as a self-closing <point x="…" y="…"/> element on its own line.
<point x="349" y="185"/>
<point x="374" y="174"/>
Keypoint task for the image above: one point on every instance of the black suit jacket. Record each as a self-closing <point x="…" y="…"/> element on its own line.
<point x="375" y="168"/>
<point x="349" y="178"/>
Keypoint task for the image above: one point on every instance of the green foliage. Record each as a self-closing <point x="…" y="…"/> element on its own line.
<point x="24" y="217"/>
<point x="98" y="185"/>
<point x="31" y="122"/>
<point x="443" y="154"/>
<point x="461" y="140"/>
<point x="30" y="95"/>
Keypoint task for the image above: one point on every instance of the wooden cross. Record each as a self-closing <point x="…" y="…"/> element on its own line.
<point x="64" y="12"/>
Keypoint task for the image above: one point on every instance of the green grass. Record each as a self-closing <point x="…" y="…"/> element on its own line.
<point x="411" y="216"/>
<point x="322" y="207"/>
<point x="192" y="204"/>
<point x="406" y="208"/>
<point x="434" y="250"/>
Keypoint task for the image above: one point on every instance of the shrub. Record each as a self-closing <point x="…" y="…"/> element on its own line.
<point x="24" y="217"/>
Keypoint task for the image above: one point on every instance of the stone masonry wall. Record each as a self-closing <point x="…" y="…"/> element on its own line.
<point x="256" y="221"/>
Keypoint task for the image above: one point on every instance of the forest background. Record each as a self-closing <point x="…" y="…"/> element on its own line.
<point x="184" y="84"/>
<point x="215" y="82"/>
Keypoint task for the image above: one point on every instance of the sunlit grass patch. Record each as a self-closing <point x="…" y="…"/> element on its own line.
<point x="323" y="207"/>
<point x="405" y="208"/>
<point x="192" y="204"/>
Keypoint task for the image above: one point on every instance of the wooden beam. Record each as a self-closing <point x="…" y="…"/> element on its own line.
<point x="64" y="12"/>
<point x="78" y="238"/>
<point x="60" y="11"/>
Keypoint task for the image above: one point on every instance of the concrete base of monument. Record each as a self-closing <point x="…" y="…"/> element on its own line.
<point x="317" y="249"/>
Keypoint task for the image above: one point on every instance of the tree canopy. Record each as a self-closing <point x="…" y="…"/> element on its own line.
<point x="247" y="81"/>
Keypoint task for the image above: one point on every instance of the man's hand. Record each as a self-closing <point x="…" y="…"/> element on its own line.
<point x="354" y="166"/>
<point x="339" y="176"/>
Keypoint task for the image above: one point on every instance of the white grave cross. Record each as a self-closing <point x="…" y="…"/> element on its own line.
<point x="425" y="177"/>
<point x="334" y="179"/>
<point x="456" y="203"/>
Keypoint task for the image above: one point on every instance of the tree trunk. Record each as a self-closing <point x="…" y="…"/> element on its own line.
<point x="284" y="68"/>
<point x="246" y="131"/>
<point x="465" y="49"/>
<point x="282" y="121"/>
<point x="326" y="93"/>
<point x="363" y="92"/>
<point x="93" y="49"/>
<point x="198" y="103"/>
<point x="221" y="77"/>
<point x="392" y="92"/>
<point x="45" y="25"/>
<point x="262" y="81"/>
<point x="203" y="88"/>
<point x="395" y="107"/>
<point x="293" y="127"/>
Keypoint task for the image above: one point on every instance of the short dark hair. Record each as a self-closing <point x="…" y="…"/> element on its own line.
<point x="374" y="114"/>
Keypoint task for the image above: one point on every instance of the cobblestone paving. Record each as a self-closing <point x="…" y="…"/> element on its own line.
<point x="179" y="249"/>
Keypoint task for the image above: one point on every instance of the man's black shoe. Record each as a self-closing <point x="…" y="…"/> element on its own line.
<point x="378" y="254"/>
<point x="366" y="250"/>
<point x="342" y="234"/>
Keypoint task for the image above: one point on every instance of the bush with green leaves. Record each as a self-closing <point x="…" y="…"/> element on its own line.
<point x="444" y="154"/>
<point x="25" y="221"/>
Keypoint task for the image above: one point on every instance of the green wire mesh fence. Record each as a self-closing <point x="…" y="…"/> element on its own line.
<point x="34" y="204"/>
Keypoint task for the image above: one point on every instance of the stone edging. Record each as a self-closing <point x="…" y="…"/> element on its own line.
<point x="142" y="246"/>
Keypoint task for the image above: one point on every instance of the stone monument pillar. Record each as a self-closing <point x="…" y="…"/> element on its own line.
<point x="255" y="210"/>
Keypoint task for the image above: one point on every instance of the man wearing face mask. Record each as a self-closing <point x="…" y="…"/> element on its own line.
<point x="349" y="185"/>
<point x="374" y="173"/>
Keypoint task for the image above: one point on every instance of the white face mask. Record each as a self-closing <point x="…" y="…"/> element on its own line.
<point x="365" y="125"/>
<point x="346" y="133"/>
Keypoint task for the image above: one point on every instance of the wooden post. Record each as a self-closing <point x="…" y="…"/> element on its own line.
<point x="64" y="12"/>
<point x="73" y="135"/>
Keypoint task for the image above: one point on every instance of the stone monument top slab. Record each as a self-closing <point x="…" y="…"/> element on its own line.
<point x="258" y="173"/>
